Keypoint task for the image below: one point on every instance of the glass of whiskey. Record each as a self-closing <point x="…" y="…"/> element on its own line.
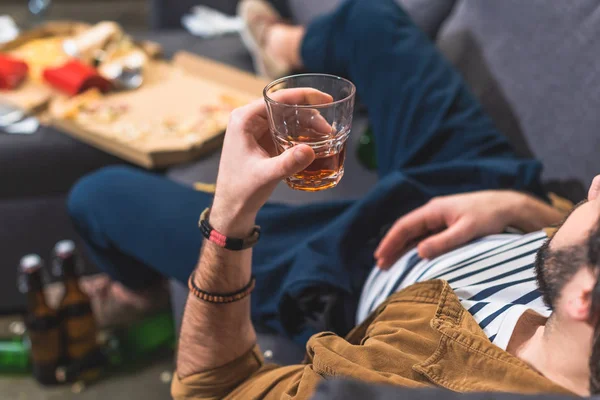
<point x="323" y="125"/>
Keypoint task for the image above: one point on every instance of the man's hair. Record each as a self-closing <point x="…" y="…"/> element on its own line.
<point x="555" y="268"/>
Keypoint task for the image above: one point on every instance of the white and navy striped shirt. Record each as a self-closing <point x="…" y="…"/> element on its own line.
<point x="493" y="277"/>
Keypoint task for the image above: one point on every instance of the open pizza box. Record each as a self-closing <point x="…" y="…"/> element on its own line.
<point x="178" y="114"/>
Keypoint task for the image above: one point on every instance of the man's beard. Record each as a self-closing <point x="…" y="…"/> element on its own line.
<point x="555" y="268"/>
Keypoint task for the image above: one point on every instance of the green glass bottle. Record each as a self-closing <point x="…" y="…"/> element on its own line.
<point x="149" y="335"/>
<point x="14" y="356"/>
<point x="366" y="152"/>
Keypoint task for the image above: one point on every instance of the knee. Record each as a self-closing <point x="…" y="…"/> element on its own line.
<point x="374" y="23"/>
<point x="97" y="191"/>
<point x="374" y="14"/>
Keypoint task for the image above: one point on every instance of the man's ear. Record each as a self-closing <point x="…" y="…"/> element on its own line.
<point x="578" y="296"/>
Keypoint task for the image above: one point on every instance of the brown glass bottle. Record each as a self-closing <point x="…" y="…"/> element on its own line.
<point x="43" y="325"/>
<point x="78" y="325"/>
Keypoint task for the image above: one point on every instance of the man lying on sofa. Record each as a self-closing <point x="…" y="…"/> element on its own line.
<point x="469" y="320"/>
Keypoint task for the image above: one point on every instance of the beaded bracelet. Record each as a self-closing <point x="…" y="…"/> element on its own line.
<point x="221" y="298"/>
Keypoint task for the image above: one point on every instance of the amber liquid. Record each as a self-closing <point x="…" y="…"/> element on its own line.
<point x="44" y="334"/>
<point x="328" y="167"/>
<point x="78" y="326"/>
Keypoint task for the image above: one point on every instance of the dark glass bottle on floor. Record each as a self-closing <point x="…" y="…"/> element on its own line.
<point x="366" y="151"/>
<point x="78" y="325"/>
<point x="43" y="325"/>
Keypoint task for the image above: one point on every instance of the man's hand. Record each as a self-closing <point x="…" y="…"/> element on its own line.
<point x="250" y="169"/>
<point x="448" y="222"/>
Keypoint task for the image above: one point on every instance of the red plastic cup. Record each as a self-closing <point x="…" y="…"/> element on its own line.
<point x="75" y="77"/>
<point x="12" y="72"/>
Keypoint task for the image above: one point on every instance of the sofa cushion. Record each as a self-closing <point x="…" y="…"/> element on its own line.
<point x="534" y="64"/>
<point x="428" y="14"/>
<point x="29" y="225"/>
<point x="46" y="162"/>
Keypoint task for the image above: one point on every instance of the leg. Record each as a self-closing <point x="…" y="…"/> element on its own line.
<point x="141" y="227"/>
<point x="421" y="110"/>
<point x="131" y="220"/>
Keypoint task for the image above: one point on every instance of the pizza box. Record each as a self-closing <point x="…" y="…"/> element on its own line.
<point x="178" y="114"/>
<point x="172" y="91"/>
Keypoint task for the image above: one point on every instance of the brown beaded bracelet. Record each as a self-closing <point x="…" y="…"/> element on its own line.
<point x="221" y="298"/>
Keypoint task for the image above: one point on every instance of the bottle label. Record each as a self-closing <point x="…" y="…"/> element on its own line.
<point x="80" y="329"/>
<point x="76" y="310"/>
<point x="36" y="323"/>
<point x="45" y="346"/>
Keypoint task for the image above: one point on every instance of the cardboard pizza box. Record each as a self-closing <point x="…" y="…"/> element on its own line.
<point x="173" y="91"/>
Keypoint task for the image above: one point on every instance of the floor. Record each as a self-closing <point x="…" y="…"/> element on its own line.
<point x="151" y="383"/>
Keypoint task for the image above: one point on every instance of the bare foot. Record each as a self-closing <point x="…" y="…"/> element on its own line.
<point x="282" y="42"/>
<point x="114" y="304"/>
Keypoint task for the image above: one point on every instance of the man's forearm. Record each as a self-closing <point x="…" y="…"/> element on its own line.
<point x="214" y="334"/>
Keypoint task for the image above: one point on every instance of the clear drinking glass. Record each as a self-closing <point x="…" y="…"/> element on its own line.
<point x="324" y="127"/>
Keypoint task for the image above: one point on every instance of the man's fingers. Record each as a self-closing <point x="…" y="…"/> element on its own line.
<point x="408" y="228"/>
<point x="456" y="235"/>
<point x="290" y="162"/>
<point x="300" y="120"/>
<point x="302" y="96"/>
<point x="296" y="96"/>
<point x="594" y="188"/>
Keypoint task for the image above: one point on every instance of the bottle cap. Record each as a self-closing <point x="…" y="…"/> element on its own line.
<point x="30" y="263"/>
<point x="64" y="258"/>
<point x="64" y="248"/>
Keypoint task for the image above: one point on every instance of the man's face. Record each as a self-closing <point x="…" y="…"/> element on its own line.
<point x="560" y="262"/>
<point x="567" y="273"/>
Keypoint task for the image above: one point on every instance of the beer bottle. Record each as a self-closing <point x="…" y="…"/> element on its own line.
<point x="14" y="356"/>
<point x="41" y="321"/>
<point x="366" y="150"/>
<point x="75" y="312"/>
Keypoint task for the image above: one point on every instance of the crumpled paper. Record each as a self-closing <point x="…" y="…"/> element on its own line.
<point x="207" y="22"/>
<point x="8" y="29"/>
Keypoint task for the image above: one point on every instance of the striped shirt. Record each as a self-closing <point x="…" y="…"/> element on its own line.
<point x="494" y="278"/>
